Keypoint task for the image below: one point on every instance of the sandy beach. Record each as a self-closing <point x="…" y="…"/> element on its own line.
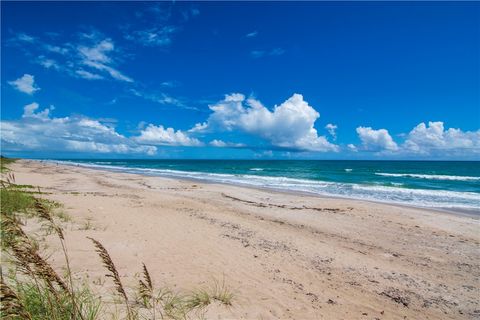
<point x="284" y="256"/>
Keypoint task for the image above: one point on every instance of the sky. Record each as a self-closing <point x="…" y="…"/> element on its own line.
<point x="241" y="80"/>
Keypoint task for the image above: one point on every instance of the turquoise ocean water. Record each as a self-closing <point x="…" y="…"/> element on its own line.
<point x="434" y="184"/>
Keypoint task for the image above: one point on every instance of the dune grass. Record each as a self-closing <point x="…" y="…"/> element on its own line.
<point x="4" y="162"/>
<point x="32" y="289"/>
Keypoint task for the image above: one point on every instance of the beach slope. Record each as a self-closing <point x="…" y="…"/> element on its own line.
<point x="284" y="256"/>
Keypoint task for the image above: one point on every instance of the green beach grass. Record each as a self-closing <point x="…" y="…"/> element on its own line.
<point x="32" y="289"/>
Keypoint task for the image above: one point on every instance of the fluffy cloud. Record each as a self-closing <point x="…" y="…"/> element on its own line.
<point x="29" y="111"/>
<point x="433" y="138"/>
<point x="158" y="135"/>
<point x="25" y="84"/>
<point x="38" y="131"/>
<point x="376" y="140"/>
<point x="290" y="125"/>
<point x="424" y="140"/>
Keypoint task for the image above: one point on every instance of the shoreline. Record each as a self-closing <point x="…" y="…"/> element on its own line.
<point x="285" y="256"/>
<point x="472" y="213"/>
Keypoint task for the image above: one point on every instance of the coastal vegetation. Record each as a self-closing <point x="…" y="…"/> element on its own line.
<point x="32" y="288"/>
<point x="4" y="162"/>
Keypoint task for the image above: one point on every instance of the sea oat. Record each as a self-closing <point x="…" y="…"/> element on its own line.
<point x="43" y="213"/>
<point x="108" y="263"/>
<point x="11" y="305"/>
<point x="27" y="256"/>
<point x="146" y="290"/>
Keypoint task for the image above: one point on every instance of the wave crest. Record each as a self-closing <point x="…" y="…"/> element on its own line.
<point x="429" y="176"/>
<point x="389" y="194"/>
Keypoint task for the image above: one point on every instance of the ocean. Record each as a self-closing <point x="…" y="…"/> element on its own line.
<point x="433" y="184"/>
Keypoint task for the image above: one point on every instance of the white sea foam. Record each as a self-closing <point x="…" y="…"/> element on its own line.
<point x="348" y="170"/>
<point x="390" y="194"/>
<point x="429" y="176"/>
<point x="256" y="169"/>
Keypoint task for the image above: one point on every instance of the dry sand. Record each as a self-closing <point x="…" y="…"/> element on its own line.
<point x="285" y="256"/>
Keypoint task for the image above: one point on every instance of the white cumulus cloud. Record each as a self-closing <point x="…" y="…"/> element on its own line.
<point x="376" y="140"/>
<point x="432" y="138"/>
<point x="25" y="84"/>
<point x="29" y="111"/>
<point x="38" y="131"/>
<point x="158" y="135"/>
<point x="290" y="125"/>
<point x="424" y="140"/>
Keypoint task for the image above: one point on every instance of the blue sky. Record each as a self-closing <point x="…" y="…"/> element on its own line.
<point x="313" y="80"/>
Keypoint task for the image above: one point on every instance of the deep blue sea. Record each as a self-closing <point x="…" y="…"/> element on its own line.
<point x="434" y="184"/>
